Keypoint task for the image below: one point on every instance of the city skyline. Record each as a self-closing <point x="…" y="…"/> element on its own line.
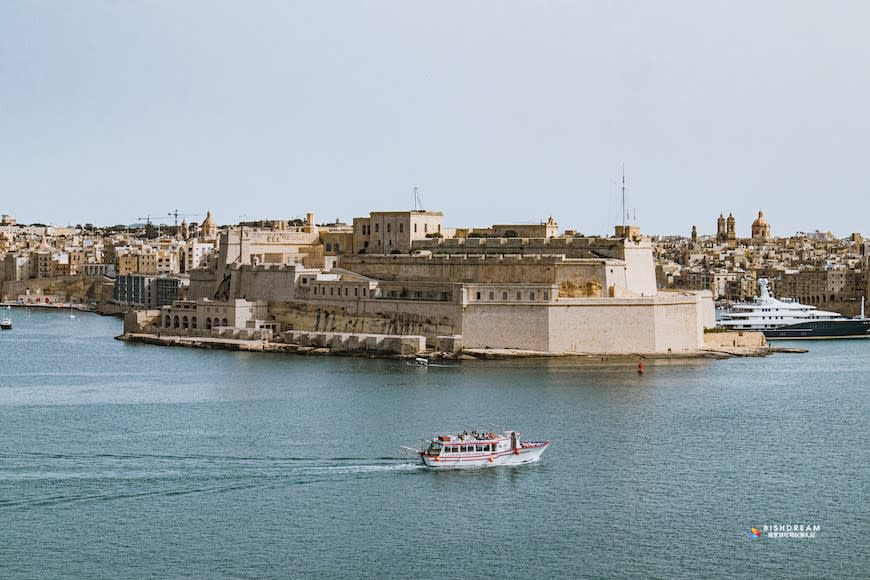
<point x="503" y="113"/>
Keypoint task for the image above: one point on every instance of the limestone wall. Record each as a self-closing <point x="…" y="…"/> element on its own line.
<point x="479" y="268"/>
<point x="392" y="317"/>
<point x="734" y="339"/>
<point x="677" y="328"/>
<point x="505" y="325"/>
<point x="588" y="325"/>
<point x="77" y="288"/>
<point x="602" y="326"/>
<point x="270" y="284"/>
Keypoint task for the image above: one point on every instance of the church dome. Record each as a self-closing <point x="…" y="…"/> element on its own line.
<point x="760" y="220"/>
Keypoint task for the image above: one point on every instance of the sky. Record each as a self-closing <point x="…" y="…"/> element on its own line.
<point x="498" y="111"/>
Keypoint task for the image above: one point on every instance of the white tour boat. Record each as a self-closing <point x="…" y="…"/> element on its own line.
<point x="480" y="449"/>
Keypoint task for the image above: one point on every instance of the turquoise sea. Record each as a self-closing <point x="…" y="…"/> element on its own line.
<point x="126" y="461"/>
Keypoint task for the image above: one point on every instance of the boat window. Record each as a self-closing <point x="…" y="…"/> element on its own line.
<point x="479" y="448"/>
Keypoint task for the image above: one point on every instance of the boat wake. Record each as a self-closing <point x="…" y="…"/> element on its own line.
<point x="61" y="480"/>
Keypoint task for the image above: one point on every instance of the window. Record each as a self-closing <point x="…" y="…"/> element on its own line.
<point x="492" y="295"/>
<point x="478" y="296"/>
<point x="425" y="228"/>
<point x="356" y="292"/>
<point x="388" y="228"/>
<point x="519" y="295"/>
<point x="546" y="295"/>
<point x="377" y="228"/>
<point x="504" y="295"/>
<point x="401" y="228"/>
<point x="415" y="228"/>
<point x="531" y="295"/>
<point x="479" y="448"/>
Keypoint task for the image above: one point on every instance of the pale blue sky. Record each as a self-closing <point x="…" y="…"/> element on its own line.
<point x="499" y="111"/>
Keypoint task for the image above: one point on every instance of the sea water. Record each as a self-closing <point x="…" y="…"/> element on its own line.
<point x="128" y="460"/>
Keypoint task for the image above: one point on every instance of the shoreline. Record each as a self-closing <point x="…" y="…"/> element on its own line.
<point x="216" y="343"/>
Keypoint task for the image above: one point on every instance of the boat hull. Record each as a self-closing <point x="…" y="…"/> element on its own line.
<point x="820" y="329"/>
<point x="528" y="453"/>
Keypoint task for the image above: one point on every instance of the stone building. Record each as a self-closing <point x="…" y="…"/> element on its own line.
<point x="208" y="228"/>
<point x="393" y="232"/>
<point x="760" y="228"/>
<point x="565" y="294"/>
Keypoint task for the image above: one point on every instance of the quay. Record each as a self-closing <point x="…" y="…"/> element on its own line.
<point x="386" y="346"/>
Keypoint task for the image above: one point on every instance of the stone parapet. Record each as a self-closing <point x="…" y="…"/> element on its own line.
<point x="354" y="342"/>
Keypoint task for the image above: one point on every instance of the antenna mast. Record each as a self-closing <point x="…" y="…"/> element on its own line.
<point x="624" y="214"/>
<point x="417" y="200"/>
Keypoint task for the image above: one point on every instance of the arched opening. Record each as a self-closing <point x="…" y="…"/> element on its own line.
<point x="225" y="322"/>
<point x="193" y="322"/>
<point x="168" y="322"/>
<point x="208" y="323"/>
<point x="184" y="322"/>
<point x="175" y="322"/>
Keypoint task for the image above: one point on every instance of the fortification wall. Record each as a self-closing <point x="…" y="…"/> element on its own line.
<point x="479" y="268"/>
<point x="588" y="325"/>
<point x="272" y="284"/>
<point x="393" y="317"/>
<point x="734" y="339"/>
<point x="494" y="325"/>
<point x="579" y="247"/>
<point x="77" y="288"/>
<point x="676" y="326"/>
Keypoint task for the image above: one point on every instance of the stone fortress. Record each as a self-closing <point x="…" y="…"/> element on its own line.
<point x="404" y="274"/>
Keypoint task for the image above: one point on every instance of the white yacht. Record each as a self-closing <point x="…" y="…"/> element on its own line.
<point x="789" y="319"/>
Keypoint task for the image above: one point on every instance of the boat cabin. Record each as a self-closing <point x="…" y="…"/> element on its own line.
<point x="472" y="444"/>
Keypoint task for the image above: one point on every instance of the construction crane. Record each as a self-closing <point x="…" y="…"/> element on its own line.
<point x="148" y="219"/>
<point x="177" y="215"/>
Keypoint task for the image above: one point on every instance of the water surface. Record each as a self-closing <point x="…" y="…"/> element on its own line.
<point x="125" y="460"/>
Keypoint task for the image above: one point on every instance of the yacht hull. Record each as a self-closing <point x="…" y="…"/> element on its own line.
<point x="819" y="329"/>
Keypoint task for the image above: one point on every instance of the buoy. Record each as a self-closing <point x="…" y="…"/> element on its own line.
<point x="640" y="367"/>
